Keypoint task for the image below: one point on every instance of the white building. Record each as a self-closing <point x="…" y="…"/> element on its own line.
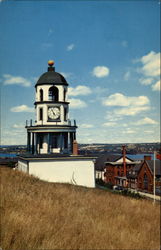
<point x="51" y="141"/>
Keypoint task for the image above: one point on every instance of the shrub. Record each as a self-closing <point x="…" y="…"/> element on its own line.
<point x="108" y="185"/>
<point x="100" y="182"/>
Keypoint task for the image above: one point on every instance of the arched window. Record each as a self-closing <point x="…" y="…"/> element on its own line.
<point x="145" y="182"/>
<point x="41" y="95"/>
<point x="40" y="114"/>
<point x="53" y="94"/>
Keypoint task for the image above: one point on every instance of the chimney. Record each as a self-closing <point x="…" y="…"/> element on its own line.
<point x="75" y="147"/>
<point x="147" y="157"/>
<point x="124" y="158"/>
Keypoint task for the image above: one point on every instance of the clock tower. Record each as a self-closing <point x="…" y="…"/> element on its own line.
<point x="52" y="132"/>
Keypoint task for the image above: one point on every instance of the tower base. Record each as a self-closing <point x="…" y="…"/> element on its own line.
<point x="77" y="170"/>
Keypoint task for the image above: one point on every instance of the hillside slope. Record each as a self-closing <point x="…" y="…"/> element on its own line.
<point x="41" y="215"/>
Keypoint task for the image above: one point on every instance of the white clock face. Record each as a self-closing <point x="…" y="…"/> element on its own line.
<point x="53" y="113"/>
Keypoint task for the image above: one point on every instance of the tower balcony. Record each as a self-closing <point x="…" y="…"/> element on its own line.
<point x="69" y="123"/>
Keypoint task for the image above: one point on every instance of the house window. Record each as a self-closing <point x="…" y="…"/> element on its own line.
<point x="53" y="94"/>
<point x="41" y="114"/>
<point x="145" y="182"/>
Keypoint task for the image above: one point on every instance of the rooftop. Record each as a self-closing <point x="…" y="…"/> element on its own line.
<point x="54" y="156"/>
<point x="51" y="77"/>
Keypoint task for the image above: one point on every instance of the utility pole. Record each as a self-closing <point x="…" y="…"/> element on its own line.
<point x="154" y="176"/>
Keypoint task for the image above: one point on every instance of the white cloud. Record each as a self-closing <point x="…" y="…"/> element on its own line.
<point x="145" y="121"/>
<point x="130" y="111"/>
<point x="129" y="131"/>
<point x="150" y="69"/>
<point x="125" y="106"/>
<point x="111" y="118"/>
<point x="118" y="114"/>
<point x="100" y="71"/>
<point x="151" y="64"/>
<point x="148" y="131"/>
<point x="79" y="90"/>
<point x="22" y="108"/>
<point x="109" y="124"/>
<point x="77" y="103"/>
<point x="146" y="81"/>
<point x="13" y="137"/>
<point x="119" y="99"/>
<point x="127" y="76"/>
<point x="18" y="126"/>
<point x="70" y="47"/>
<point x="16" y="80"/>
<point x="156" y="86"/>
<point x="84" y="125"/>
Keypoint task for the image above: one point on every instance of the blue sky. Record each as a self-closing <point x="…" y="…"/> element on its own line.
<point x="109" y="52"/>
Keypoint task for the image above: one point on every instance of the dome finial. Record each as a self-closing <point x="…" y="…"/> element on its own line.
<point x="50" y="63"/>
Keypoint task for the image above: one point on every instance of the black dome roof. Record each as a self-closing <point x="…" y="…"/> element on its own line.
<point x="51" y="77"/>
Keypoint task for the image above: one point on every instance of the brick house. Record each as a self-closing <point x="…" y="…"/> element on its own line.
<point x="100" y="164"/>
<point x="116" y="172"/>
<point x="132" y="176"/>
<point x="142" y="175"/>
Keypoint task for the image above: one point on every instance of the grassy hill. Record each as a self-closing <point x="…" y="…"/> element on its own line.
<point x="41" y="215"/>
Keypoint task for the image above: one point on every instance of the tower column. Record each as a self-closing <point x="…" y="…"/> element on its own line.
<point x="48" y="142"/>
<point x="71" y="142"/>
<point x="61" y="142"/>
<point x="36" y="142"/>
<point x="33" y="142"/>
<point x="68" y="141"/>
<point x="28" y="141"/>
